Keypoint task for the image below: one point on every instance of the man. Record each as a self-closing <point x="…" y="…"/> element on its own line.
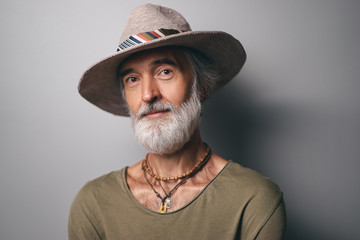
<point x="180" y="190"/>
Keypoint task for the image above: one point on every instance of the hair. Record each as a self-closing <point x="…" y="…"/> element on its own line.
<point x="205" y="73"/>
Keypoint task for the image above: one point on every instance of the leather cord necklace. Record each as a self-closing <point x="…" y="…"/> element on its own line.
<point x="166" y="201"/>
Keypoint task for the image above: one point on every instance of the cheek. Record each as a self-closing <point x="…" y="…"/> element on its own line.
<point x="177" y="94"/>
<point x="132" y="102"/>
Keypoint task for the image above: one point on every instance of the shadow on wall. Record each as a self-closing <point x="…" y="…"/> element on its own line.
<point x="238" y="128"/>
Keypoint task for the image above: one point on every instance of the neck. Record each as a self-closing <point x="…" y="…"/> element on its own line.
<point x="168" y="165"/>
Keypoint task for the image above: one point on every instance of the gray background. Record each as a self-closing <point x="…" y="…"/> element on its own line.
<point x="292" y="113"/>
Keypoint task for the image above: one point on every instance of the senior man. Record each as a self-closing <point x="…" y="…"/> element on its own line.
<point x="181" y="189"/>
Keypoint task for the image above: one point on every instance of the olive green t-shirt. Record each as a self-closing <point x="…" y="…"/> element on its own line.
<point x="238" y="203"/>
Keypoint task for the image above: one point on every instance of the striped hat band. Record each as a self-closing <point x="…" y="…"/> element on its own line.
<point x="146" y="37"/>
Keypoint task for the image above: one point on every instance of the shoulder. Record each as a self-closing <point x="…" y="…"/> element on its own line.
<point x="247" y="182"/>
<point x="262" y="201"/>
<point x="85" y="220"/>
<point x="98" y="188"/>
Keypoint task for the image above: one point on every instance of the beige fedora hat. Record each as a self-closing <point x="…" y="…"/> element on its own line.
<point x="152" y="26"/>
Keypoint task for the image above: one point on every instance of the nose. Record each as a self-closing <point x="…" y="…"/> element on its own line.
<point x="150" y="90"/>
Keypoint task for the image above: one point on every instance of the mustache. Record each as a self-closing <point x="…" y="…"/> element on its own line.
<point x="155" y="107"/>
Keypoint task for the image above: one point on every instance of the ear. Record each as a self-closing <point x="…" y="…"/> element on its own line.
<point x="203" y="94"/>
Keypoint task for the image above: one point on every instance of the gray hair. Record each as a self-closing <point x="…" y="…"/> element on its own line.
<point x="205" y="72"/>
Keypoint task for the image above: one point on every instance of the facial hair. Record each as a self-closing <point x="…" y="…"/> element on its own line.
<point x="167" y="134"/>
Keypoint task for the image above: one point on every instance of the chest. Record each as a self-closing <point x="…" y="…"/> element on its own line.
<point x="166" y="196"/>
<point x="204" y="216"/>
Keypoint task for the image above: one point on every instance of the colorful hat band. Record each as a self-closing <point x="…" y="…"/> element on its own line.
<point x="145" y="37"/>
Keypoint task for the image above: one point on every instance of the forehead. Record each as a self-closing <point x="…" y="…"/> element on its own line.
<point x="173" y="54"/>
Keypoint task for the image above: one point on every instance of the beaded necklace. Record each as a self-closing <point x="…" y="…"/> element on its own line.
<point x="151" y="173"/>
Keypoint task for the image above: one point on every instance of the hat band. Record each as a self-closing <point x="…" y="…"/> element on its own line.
<point x="146" y="37"/>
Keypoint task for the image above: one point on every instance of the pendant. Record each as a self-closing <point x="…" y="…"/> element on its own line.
<point x="163" y="207"/>
<point x="168" y="202"/>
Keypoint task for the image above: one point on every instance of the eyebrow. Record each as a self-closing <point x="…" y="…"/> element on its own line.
<point x="156" y="62"/>
<point x="126" y="71"/>
<point x="164" y="60"/>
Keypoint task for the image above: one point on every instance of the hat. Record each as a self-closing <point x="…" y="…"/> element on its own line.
<point x="152" y="26"/>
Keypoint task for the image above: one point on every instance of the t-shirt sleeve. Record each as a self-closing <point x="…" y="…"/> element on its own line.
<point x="274" y="228"/>
<point x="82" y="223"/>
<point x="264" y="214"/>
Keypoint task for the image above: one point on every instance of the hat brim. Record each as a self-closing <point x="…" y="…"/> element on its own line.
<point x="99" y="84"/>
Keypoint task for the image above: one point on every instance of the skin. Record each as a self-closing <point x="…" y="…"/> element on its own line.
<point x="165" y="75"/>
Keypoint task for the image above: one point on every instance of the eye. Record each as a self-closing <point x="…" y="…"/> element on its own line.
<point x="165" y="72"/>
<point x="131" y="79"/>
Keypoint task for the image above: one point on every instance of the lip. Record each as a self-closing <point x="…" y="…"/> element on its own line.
<point x="156" y="114"/>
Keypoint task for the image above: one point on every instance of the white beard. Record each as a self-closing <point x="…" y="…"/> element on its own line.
<point x="167" y="134"/>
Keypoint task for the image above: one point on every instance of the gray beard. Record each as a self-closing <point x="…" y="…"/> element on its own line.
<point x="167" y="134"/>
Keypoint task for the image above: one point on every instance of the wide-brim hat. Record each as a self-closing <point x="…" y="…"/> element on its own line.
<point x="152" y="26"/>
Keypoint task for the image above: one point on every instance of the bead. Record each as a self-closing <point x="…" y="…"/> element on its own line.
<point x="191" y="171"/>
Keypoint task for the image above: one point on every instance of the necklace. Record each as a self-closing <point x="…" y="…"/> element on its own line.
<point x="184" y="175"/>
<point x="166" y="201"/>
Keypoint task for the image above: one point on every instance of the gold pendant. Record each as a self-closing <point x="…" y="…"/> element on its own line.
<point x="163" y="208"/>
